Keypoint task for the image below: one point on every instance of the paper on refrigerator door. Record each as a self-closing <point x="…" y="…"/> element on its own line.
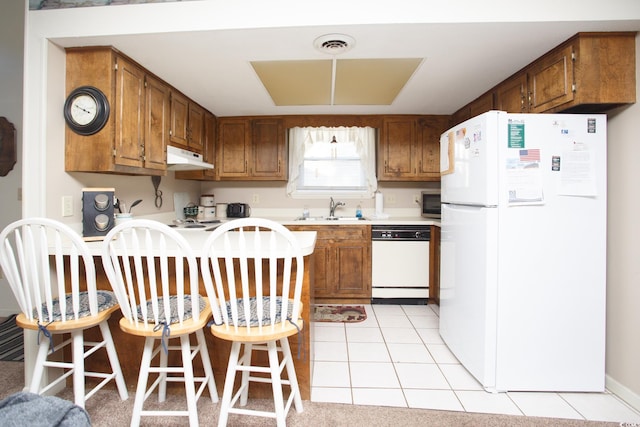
<point x="447" y="144"/>
<point x="578" y="173"/>
<point x="524" y="177"/>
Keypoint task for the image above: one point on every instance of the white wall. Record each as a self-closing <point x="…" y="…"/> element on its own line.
<point x="11" y="70"/>
<point x="623" y="268"/>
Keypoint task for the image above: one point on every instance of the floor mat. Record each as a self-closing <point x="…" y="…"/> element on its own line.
<point x="339" y="313"/>
<point x="11" y="341"/>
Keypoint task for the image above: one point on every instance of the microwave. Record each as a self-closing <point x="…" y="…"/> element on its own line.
<point x="431" y="207"/>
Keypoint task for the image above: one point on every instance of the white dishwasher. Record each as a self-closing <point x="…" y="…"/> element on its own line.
<point x="400" y="264"/>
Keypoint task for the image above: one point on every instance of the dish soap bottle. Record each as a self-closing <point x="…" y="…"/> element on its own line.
<point x="358" y="212"/>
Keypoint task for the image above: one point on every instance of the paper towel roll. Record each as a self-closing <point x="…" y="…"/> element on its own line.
<point x="379" y="203"/>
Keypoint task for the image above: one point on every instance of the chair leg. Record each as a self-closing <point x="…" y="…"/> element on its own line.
<point x="189" y="384"/>
<point x="246" y="361"/>
<point x="228" y="383"/>
<point x="142" y="381"/>
<point x="291" y="373"/>
<point x="276" y="383"/>
<point x="113" y="360"/>
<point x="38" y="369"/>
<point x="162" y="376"/>
<point x="77" y="338"/>
<point x="206" y="364"/>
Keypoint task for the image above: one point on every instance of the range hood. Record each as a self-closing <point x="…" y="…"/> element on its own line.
<point x="179" y="159"/>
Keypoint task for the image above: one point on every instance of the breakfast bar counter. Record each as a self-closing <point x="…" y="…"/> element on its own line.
<point x="129" y="348"/>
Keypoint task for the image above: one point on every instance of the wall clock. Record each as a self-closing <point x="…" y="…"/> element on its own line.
<point x="86" y="110"/>
<point x="7" y="146"/>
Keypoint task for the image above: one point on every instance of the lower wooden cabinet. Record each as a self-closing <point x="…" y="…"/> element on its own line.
<point x="342" y="262"/>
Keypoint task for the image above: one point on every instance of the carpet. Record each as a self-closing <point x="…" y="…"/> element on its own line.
<point x="339" y="313"/>
<point x="11" y="341"/>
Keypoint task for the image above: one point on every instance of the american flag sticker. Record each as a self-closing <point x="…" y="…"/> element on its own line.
<point x="530" y="155"/>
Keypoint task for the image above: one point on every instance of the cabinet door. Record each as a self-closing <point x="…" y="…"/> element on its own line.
<point x="179" y="120"/>
<point x="352" y="278"/>
<point x="511" y="95"/>
<point x="209" y="153"/>
<point x="196" y="128"/>
<point x="156" y="134"/>
<point x="429" y="131"/>
<point x="323" y="262"/>
<point x="210" y="144"/>
<point x="551" y="80"/>
<point x="481" y="105"/>
<point x="234" y="143"/>
<point x="129" y="110"/>
<point x="269" y="149"/>
<point x="397" y="149"/>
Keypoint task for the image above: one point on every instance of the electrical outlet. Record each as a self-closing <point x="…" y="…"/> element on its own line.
<point x="390" y="199"/>
<point x="416" y="198"/>
<point x="19" y="194"/>
<point x="255" y="199"/>
<point x="67" y="206"/>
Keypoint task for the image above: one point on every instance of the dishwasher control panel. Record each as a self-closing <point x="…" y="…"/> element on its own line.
<point x="400" y="232"/>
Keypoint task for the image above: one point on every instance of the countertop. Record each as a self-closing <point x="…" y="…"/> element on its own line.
<point x="196" y="239"/>
<point x="290" y="217"/>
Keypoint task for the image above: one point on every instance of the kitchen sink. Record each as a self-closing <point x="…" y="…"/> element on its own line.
<point x="195" y="226"/>
<point x="331" y="218"/>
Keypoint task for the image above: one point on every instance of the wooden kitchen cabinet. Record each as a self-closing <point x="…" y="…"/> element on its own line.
<point x="251" y="149"/>
<point x="269" y="149"/>
<point x="511" y="95"/>
<point x="590" y="72"/>
<point x="342" y="262"/>
<point x="479" y="105"/>
<point x="209" y="153"/>
<point x="135" y="137"/>
<point x="586" y="73"/>
<point x="409" y="148"/>
<point x="187" y="123"/>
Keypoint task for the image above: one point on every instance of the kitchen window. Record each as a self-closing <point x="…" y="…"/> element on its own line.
<point x="332" y="161"/>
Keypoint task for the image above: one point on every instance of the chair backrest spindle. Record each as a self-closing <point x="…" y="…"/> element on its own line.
<point x="261" y="255"/>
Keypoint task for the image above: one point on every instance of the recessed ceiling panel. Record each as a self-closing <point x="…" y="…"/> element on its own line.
<point x="296" y="82"/>
<point x="372" y="81"/>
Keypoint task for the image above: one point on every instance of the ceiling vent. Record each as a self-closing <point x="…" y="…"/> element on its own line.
<point x="334" y="44"/>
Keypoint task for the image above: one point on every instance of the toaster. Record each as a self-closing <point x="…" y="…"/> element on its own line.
<point x="238" y="210"/>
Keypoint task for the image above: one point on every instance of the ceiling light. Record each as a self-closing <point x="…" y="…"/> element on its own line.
<point x="334" y="44"/>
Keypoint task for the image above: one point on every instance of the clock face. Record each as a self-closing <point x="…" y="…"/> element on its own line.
<point x="86" y="110"/>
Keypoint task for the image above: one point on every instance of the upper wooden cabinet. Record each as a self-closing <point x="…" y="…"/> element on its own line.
<point x="590" y="72"/>
<point x="478" y="106"/>
<point x="251" y="149"/>
<point x="135" y="137"/>
<point x="209" y="154"/>
<point x="409" y="148"/>
<point x="187" y="123"/>
<point x="511" y="95"/>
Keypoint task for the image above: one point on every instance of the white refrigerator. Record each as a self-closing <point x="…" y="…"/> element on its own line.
<point x="523" y="250"/>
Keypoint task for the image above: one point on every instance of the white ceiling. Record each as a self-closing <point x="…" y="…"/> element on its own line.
<point x="461" y="61"/>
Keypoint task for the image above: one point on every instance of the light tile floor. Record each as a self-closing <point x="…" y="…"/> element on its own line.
<point x="397" y="358"/>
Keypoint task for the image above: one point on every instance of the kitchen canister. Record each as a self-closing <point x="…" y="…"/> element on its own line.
<point x="207" y="200"/>
<point x="206" y="213"/>
<point x="221" y="210"/>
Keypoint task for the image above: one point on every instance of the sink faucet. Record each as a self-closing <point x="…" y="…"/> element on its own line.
<point x="332" y="207"/>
